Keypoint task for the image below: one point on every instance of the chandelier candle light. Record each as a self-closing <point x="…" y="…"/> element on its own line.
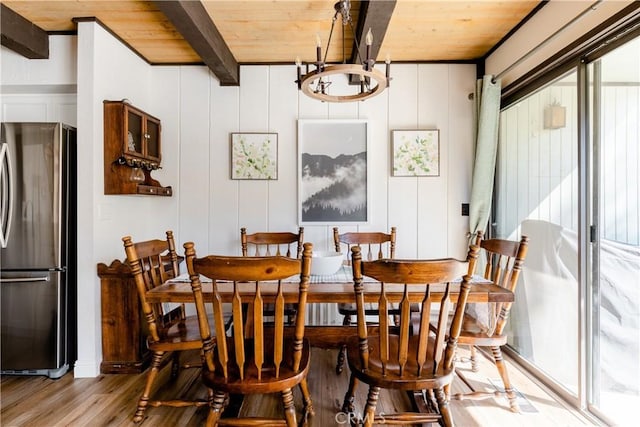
<point x="315" y="84"/>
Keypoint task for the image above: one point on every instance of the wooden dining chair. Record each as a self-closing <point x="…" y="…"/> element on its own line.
<point x="396" y="358"/>
<point x="273" y="243"/>
<point x="270" y="361"/>
<point x="377" y="245"/>
<point x="504" y="261"/>
<point x="171" y="332"/>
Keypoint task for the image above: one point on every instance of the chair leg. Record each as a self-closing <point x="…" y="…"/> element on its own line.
<point x="341" y="356"/>
<point x="175" y="364"/>
<point x="216" y="408"/>
<point x="348" y="405"/>
<point x="370" y="407"/>
<point x="291" y="319"/>
<point x="346" y="321"/>
<point x="430" y="398"/>
<point x="151" y="376"/>
<point x="502" y="370"/>
<point x="306" y="397"/>
<point x="289" y="408"/>
<point x="443" y="406"/>
<point x="474" y="360"/>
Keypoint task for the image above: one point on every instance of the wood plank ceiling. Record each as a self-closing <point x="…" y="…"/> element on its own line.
<point x="223" y="34"/>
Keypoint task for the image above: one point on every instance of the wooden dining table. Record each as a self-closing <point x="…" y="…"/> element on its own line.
<point x="337" y="288"/>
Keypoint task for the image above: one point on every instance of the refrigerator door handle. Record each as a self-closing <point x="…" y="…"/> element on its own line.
<point x="6" y="204"/>
<point x="25" y="279"/>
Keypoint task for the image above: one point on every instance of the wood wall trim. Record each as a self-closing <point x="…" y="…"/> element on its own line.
<point x="22" y="36"/>
<point x="192" y="21"/>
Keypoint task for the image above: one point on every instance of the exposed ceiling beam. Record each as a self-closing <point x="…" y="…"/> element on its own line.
<point x="375" y="15"/>
<point x="192" y="21"/>
<point x="22" y="36"/>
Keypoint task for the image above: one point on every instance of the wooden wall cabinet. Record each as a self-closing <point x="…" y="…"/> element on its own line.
<point x="132" y="150"/>
<point x="124" y="328"/>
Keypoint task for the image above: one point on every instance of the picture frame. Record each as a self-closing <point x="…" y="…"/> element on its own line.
<point x="415" y="152"/>
<point x="254" y="155"/>
<point x="333" y="174"/>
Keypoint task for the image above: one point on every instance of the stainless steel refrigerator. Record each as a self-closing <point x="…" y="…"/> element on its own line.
<point x="37" y="255"/>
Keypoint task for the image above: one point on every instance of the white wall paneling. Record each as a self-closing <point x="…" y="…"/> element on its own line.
<point x="224" y="226"/>
<point x="89" y="333"/>
<point x="253" y="195"/>
<point x="39" y="108"/>
<point x="193" y="159"/>
<point x="375" y="110"/>
<point x="22" y="109"/>
<point x="461" y="152"/>
<point x="119" y="74"/>
<point x="403" y="191"/>
<point x="283" y="192"/>
<point x="165" y="105"/>
<point x="432" y="208"/>
<point x="57" y="74"/>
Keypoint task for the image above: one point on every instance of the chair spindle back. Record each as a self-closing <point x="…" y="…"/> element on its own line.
<point x="264" y="243"/>
<point x="152" y="263"/>
<point x="373" y="242"/>
<point x="253" y="280"/>
<point x="504" y="260"/>
<point x="433" y="280"/>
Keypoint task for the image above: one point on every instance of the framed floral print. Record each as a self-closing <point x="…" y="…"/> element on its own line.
<point x="333" y="184"/>
<point x="254" y="155"/>
<point x="415" y="152"/>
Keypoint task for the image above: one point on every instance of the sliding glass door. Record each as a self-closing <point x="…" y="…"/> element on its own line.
<point x="614" y="390"/>
<point x="537" y="196"/>
<point x="568" y="177"/>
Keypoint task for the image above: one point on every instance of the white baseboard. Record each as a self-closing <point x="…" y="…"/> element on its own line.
<point x="86" y="369"/>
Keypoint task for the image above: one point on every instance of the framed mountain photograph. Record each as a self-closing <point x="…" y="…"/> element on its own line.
<point x="333" y="177"/>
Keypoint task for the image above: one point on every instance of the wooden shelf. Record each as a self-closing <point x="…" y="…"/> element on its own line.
<point x="132" y="150"/>
<point x="153" y="190"/>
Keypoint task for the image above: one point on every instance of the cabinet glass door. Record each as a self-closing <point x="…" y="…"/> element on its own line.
<point x="133" y="141"/>
<point x="153" y="139"/>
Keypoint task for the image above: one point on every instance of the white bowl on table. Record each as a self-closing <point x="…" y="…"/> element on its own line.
<point x="325" y="263"/>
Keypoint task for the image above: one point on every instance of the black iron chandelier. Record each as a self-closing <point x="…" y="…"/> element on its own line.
<point x="316" y="83"/>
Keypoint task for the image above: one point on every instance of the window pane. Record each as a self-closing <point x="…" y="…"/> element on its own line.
<point x="537" y="196"/>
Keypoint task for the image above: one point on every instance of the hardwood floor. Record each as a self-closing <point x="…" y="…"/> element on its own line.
<point x="110" y="400"/>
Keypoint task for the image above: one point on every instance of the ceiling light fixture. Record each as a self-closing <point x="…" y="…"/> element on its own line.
<point x="316" y="83"/>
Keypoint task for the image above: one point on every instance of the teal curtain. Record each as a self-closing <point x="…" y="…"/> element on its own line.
<point x="487" y="99"/>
